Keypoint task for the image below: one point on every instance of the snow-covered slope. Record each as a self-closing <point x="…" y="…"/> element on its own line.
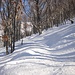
<point x="51" y="53"/>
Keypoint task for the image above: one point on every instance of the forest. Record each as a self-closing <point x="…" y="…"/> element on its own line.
<point x="42" y="14"/>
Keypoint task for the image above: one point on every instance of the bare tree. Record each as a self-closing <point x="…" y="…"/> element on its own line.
<point x="9" y="13"/>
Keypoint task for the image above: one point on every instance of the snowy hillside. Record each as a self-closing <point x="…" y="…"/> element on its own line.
<point x="51" y="53"/>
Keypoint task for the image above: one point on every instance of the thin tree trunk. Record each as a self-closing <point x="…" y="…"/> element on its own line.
<point x="11" y="44"/>
<point x="7" y="48"/>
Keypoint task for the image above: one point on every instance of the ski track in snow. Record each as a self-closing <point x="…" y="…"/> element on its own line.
<point x="51" y="53"/>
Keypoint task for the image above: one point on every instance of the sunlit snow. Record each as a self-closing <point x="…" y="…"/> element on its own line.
<point x="51" y="53"/>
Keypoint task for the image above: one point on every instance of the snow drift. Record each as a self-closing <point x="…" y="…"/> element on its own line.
<point x="51" y="53"/>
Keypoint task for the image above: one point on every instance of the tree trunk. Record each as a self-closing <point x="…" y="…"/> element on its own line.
<point x="7" y="48"/>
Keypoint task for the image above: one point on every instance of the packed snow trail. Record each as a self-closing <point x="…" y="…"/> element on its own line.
<point x="51" y="53"/>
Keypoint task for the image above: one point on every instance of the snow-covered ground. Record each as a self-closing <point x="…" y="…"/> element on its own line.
<point x="51" y="53"/>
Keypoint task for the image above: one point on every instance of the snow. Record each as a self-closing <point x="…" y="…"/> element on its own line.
<point x="29" y="27"/>
<point x="51" y="53"/>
